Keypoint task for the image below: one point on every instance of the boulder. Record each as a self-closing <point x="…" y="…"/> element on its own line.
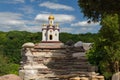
<point x="78" y="44"/>
<point x="116" y="76"/>
<point x="69" y="43"/>
<point x="87" y="46"/>
<point x="10" y="77"/>
<point x="29" y="45"/>
<point x="75" y="78"/>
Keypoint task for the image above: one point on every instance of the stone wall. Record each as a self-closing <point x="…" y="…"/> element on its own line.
<point x="10" y="77"/>
<point x="65" y="63"/>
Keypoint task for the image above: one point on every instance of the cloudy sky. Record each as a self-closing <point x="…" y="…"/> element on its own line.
<point x="29" y="15"/>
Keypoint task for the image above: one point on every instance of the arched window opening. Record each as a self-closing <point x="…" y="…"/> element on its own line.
<point x="55" y="34"/>
<point x="50" y="37"/>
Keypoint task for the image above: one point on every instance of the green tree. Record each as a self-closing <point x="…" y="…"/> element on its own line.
<point x="106" y="50"/>
<point x="7" y="68"/>
<point x="94" y="9"/>
<point x="3" y="62"/>
<point x="64" y="37"/>
<point x="110" y="33"/>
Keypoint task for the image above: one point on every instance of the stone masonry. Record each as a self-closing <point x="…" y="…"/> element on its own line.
<point x="56" y="61"/>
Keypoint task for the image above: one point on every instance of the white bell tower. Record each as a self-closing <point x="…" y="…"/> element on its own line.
<point x="50" y="32"/>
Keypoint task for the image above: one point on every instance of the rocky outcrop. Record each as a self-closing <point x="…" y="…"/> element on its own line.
<point x="91" y="77"/>
<point x="10" y="77"/>
<point x="116" y="76"/>
<point x="53" y="61"/>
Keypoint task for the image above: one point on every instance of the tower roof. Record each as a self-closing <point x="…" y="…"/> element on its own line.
<point x="51" y="17"/>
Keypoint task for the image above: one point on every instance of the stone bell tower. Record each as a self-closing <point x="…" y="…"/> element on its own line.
<point x="50" y="32"/>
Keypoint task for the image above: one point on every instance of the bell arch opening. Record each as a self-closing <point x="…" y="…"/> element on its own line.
<point x="50" y="37"/>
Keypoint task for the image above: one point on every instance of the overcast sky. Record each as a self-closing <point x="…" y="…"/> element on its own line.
<point x="29" y="15"/>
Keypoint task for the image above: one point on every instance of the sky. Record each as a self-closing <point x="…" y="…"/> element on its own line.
<point x="29" y="15"/>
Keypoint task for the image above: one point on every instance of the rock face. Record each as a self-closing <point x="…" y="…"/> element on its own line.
<point x="116" y="76"/>
<point x="10" y="77"/>
<point x="55" y="61"/>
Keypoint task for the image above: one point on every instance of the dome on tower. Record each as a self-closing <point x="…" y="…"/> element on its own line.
<point x="51" y="17"/>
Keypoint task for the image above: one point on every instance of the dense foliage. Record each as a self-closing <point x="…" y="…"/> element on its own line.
<point x="11" y="44"/>
<point x="106" y="50"/>
<point x="94" y="9"/>
<point x="10" y="49"/>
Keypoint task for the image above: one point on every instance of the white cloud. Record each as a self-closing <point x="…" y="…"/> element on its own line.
<point x="66" y="29"/>
<point x="32" y="28"/>
<point x="27" y="9"/>
<point x="10" y="21"/>
<point x="85" y="24"/>
<point x="86" y="30"/>
<point x="56" y="6"/>
<point x="44" y="12"/>
<point x="14" y="21"/>
<point x="61" y="18"/>
<point x="9" y="18"/>
<point x="12" y="2"/>
<point x="84" y="27"/>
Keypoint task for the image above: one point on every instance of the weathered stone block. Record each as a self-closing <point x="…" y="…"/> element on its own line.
<point x="75" y="78"/>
